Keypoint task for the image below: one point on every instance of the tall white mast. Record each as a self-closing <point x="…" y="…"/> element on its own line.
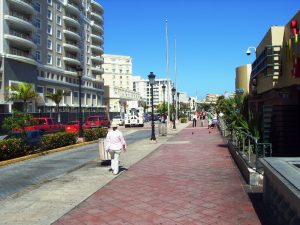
<point x="167" y="70"/>
<point x="175" y="78"/>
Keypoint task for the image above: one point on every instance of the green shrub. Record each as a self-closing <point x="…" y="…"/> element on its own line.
<point x="13" y="148"/>
<point x="57" y="140"/>
<point x="94" y="134"/>
<point x="183" y="120"/>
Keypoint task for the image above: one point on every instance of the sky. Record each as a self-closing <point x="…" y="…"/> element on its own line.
<point x="212" y="37"/>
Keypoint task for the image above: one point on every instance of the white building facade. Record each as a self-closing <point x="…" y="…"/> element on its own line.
<point x="43" y="42"/>
<point x="142" y="86"/>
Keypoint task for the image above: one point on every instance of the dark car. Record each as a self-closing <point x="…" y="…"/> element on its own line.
<point x="31" y="137"/>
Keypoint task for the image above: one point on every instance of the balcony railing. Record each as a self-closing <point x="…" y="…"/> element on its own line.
<point x="268" y="62"/>
<point x="19" y="34"/>
<point x="19" y="52"/>
<point x="20" y="16"/>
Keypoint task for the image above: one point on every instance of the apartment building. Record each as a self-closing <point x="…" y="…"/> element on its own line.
<point x="43" y="42"/>
<point x="274" y="87"/>
<point x="142" y="86"/>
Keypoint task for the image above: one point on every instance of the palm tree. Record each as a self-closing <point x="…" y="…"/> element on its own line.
<point x="22" y="92"/>
<point x="56" y="97"/>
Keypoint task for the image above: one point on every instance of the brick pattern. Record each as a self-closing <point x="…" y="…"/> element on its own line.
<point x="195" y="183"/>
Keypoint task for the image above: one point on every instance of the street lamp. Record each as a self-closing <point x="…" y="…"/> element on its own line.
<point x="177" y="105"/>
<point x="151" y="77"/>
<point x="190" y="108"/>
<point x="164" y="93"/>
<point x="194" y="105"/>
<point x="79" y="70"/>
<point x="174" y="110"/>
<point x="248" y="52"/>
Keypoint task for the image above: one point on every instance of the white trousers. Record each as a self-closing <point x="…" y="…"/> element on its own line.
<point x="114" y="155"/>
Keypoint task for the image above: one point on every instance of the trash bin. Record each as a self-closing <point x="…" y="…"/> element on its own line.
<point x="104" y="155"/>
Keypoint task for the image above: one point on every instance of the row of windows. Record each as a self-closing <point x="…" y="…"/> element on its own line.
<point x="114" y="70"/>
<point x="71" y="80"/>
<point x="37" y="6"/>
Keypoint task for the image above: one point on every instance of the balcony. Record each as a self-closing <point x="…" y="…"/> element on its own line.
<point x="71" y="20"/>
<point x="71" y="33"/>
<point x="268" y="62"/>
<point x="20" y="55"/>
<point x="97" y="49"/>
<point x="71" y="46"/>
<point x="70" y="71"/>
<point x="73" y="8"/>
<point x="71" y="59"/>
<point x="97" y="17"/>
<point x="98" y="59"/>
<point x="96" y="29"/>
<point x="97" y="69"/>
<point x="24" y="6"/>
<point x="19" y="40"/>
<point x="97" y="6"/>
<point x="19" y="21"/>
<point x="96" y="39"/>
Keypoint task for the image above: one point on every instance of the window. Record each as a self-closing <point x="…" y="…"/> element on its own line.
<point x="58" y="62"/>
<point x="40" y="89"/>
<point x="38" y="23"/>
<point x="88" y="37"/>
<point x="49" y="59"/>
<point x="58" y="48"/>
<point x="58" y="34"/>
<point x="42" y="74"/>
<point x="58" y="6"/>
<point x="37" y="39"/>
<point x="49" y="44"/>
<point x="37" y="7"/>
<point x="113" y="70"/>
<point x="49" y="14"/>
<point x="49" y="2"/>
<point x="38" y="56"/>
<point x="87" y="60"/>
<point x="87" y="49"/>
<point x="49" y="29"/>
<point x="58" y="20"/>
<point x="121" y="71"/>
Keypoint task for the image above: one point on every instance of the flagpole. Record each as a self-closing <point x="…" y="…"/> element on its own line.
<point x="175" y="78"/>
<point x="167" y="70"/>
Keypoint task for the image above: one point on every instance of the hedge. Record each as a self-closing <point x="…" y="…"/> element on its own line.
<point x="13" y="148"/>
<point x="57" y="140"/>
<point x="94" y="134"/>
<point x="183" y="120"/>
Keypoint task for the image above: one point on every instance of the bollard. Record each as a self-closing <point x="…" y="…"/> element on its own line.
<point x="103" y="155"/>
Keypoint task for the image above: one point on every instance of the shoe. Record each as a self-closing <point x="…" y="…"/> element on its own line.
<point x="110" y="170"/>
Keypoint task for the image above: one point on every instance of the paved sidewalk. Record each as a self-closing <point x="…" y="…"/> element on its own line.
<point x="191" y="179"/>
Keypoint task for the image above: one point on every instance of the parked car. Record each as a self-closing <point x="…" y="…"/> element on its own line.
<point x="73" y="126"/>
<point x="97" y="121"/>
<point x="119" y="120"/>
<point x="31" y="137"/>
<point x="44" y="124"/>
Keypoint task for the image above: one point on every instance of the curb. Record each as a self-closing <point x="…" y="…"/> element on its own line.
<point x="27" y="157"/>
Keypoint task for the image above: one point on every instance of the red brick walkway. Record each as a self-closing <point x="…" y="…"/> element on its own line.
<point x="191" y="182"/>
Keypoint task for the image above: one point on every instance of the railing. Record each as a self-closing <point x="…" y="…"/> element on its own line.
<point x="15" y="51"/>
<point x="246" y="146"/>
<point x="71" y="29"/>
<point x="20" y="16"/>
<point x="19" y="34"/>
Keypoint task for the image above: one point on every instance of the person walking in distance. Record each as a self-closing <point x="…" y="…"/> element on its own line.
<point x="194" y="119"/>
<point x="114" y="144"/>
<point x="202" y="117"/>
<point x="210" y="120"/>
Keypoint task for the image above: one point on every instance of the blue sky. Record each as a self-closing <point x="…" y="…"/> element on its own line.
<point x="212" y="37"/>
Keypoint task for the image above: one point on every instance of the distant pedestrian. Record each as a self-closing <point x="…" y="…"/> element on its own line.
<point x="194" y="119"/>
<point x="114" y="143"/>
<point x="210" y="120"/>
<point x="202" y="117"/>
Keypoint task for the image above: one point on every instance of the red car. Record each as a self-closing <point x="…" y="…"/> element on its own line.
<point x="73" y="126"/>
<point x="44" y="124"/>
<point x="97" y="121"/>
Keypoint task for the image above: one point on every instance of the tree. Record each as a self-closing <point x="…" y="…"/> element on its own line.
<point x="56" y="97"/>
<point x="162" y="108"/>
<point x="22" y="92"/>
<point x="17" y="120"/>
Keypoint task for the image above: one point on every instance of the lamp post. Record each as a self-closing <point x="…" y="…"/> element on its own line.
<point x="194" y="105"/>
<point x="164" y="102"/>
<point x="151" y="77"/>
<point x="79" y="70"/>
<point x="248" y="52"/>
<point x="177" y="105"/>
<point x="190" y="108"/>
<point x="174" y="110"/>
